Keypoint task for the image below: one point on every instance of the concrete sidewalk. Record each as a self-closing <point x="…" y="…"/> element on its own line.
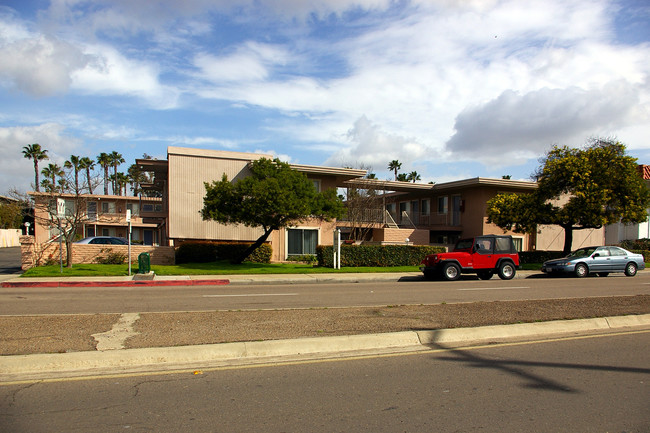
<point x="197" y="280"/>
<point x="30" y="368"/>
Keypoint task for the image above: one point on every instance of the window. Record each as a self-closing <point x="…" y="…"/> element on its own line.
<point x="519" y="243"/>
<point x="316" y="184"/>
<point x="443" y="205"/>
<point x="108" y="207"/>
<point x="426" y="207"/>
<point x="302" y="241"/>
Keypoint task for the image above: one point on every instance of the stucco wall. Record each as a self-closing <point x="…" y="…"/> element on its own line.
<point x="9" y="238"/>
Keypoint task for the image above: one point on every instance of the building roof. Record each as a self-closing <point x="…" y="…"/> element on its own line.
<point x="396" y="186"/>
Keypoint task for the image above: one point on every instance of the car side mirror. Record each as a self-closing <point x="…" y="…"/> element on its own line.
<point x="596" y="255"/>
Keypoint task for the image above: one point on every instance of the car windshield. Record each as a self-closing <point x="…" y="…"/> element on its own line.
<point x="582" y="252"/>
<point x="464" y="244"/>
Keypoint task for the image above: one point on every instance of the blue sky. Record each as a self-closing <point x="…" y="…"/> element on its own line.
<point x="452" y="89"/>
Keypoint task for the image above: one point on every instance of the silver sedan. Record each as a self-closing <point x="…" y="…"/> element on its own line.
<point x="596" y="260"/>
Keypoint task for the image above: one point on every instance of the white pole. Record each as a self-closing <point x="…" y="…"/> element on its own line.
<point x="338" y="248"/>
<point x="128" y="219"/>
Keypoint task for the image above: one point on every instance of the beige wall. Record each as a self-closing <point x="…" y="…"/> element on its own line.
<point x="187" y="173"/>
<point x="551" y="238"/>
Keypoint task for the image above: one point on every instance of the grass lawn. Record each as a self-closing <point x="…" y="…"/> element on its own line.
<point x="214" y="268"/>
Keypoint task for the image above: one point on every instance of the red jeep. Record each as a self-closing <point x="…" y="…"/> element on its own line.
<point x="482" y="255"/>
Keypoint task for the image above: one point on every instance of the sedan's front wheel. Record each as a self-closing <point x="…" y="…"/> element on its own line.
<point x="581" y="270"/>
<point x="630" y="269"/>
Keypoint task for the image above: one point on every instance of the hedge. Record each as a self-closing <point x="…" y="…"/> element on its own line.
<point x="375" y="255"/>
<point x="206" y="251"/>
<point x="526" y="257"/>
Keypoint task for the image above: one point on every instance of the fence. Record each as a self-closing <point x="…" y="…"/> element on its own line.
<point x="40" y="254"/>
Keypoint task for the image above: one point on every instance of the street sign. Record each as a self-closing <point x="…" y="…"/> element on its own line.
<point x="60" y="207"/>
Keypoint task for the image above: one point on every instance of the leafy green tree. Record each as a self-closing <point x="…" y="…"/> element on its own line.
<point x="11" y="214"/>
<point x="35" y="152"/>
<point x="583" y="188"/>
<point x="274" y="196"/>
<point x="394" y="166"/>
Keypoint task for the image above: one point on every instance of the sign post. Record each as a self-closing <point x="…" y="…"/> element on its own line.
<point x="60" y="213"/>
<point x="128" y="220"/>
<point x="337" y="249"/>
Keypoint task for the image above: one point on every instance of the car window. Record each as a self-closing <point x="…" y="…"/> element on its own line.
<point x="484" y="245"/>
<point x="504" y="245"/>
<point x="582" y="252"/>
<point x="95" y="241"/>
<point x="615" y="251"/>
<point x="602" y="252"/>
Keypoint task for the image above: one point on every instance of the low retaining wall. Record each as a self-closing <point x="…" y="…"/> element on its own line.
<point x="40" y="254"/>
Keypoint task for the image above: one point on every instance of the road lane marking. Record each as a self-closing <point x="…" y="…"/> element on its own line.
<point x="496" y="288"/>
<point x="250" y="294"/>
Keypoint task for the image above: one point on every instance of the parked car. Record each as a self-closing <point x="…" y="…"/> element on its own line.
<point x="483" y="255"/>
<point x="596" y="260"/>
<point x="103" y="240"/>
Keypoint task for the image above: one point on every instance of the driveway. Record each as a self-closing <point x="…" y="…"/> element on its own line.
<point x="10" y="260"/>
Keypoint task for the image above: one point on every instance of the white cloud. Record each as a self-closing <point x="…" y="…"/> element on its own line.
<point x="371" y="146"/>
<point x="18" y="172"/>
<point x="519" y="127"/>
<point x="39" y="65"/>
<point x="110" y="73"/>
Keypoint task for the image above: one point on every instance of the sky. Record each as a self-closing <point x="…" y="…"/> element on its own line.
<point x="453" y="89"/>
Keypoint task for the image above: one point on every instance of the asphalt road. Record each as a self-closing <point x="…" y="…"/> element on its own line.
<point x="414" y="291"/>
<point x="10" y="260"/>
<point x="585" y="384"/>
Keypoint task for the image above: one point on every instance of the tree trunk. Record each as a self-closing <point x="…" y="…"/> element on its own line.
<point x="253" y="247"/>
<point x="68" y="253"/>
<point x="568" y="238"/>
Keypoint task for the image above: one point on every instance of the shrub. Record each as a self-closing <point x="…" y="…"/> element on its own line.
<point x="307" y="258"/>
<point x="376" y="255"/>
<point x="110" y="257"/>
<point x="636" y="244"/>
<point x="207" y="251"/>
<point x="526" y="257"/>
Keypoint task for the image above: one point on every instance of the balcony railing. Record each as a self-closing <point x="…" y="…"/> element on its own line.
<point x="404" y="219"/>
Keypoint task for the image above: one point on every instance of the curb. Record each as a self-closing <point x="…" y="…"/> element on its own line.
<point x="130" y="283"/>
<point x="80" y="364"/>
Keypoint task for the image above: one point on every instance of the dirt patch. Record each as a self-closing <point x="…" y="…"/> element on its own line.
<point x="52" y="334"/>
<point x="69" y="333"/>
<point x="178" y="329"/>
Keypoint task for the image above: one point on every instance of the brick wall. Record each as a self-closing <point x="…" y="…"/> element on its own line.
<point x="39" y="254"/>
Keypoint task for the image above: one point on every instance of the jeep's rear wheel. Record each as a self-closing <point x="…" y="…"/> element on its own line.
<point x="507" y="271"/>
<point x="451" y="271"/>
<point x="485" y="275"/>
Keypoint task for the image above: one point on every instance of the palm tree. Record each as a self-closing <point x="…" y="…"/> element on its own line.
<point x="116" y="159"/>
<point x="105" y="161"/>
<point x="34" y="151"/>
<point x="402" y="177"/>
<point x="51" y="172"/>
<point x="74" y="163"/>
<point x="394" y="165"/>
<point x="413" y="176"/>
<point x="87" y="164"/>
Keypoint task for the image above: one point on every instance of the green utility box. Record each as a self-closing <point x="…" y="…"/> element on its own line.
<point x="144" y="263"/>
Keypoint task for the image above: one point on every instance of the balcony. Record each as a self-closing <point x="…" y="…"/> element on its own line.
<point x="384" y="218"/>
